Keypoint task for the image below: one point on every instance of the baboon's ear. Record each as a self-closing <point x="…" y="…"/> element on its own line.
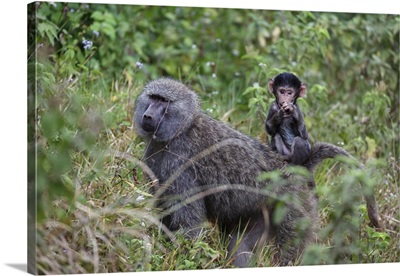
<point x="271" y="86"/>
<point x="302" y="90"/>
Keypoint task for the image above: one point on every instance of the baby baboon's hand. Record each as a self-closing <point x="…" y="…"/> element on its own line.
<point x="287" y="108"/>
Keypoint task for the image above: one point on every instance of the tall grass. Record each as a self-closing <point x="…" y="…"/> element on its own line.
<point x="106" y="222"/>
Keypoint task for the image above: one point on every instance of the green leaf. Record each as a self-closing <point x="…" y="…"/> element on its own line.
<point x="48" y="29"/>
<point x="280" y="212"/>
<point x="97" y="15"/>
<point x="70" y="54"/>
<point x="325" y="33"/>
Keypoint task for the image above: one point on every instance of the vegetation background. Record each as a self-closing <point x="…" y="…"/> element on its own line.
<point x="88" y="62"/>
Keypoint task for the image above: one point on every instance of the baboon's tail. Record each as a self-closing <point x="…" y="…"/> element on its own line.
<point x="321" y="151"/>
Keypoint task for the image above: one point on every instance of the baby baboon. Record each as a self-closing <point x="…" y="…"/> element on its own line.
<point x="285" y="122"/>
<point x="209" y="171"/>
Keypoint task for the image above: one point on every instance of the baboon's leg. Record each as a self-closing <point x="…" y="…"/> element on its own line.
<point x="293" y="234"/>
<point x="280" y="145"/>
<point x="243" y="244"/>
<point x="300" y="151"/>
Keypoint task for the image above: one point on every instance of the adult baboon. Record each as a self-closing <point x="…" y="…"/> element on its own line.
<point x="209" y="171"/>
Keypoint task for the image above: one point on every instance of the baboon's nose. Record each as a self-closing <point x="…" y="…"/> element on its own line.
<point x="148" y="123"/>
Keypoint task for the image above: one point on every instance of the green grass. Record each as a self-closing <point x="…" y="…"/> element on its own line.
<point x="108" y="223"/>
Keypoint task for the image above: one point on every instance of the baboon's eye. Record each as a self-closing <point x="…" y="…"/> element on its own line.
<point x="158" y="98"/>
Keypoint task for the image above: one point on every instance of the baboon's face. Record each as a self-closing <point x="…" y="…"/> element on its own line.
<point x="154" y="113"/>
<point x="164" y="110"/>
<point x="285" y="95"/>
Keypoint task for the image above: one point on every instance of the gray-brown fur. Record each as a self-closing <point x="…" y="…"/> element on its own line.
<point x="321" y="151"/>
<point x="209" y="171"/>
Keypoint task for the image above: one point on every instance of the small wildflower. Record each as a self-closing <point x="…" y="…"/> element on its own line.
<point x="96" y="33"/>
<point x="194" y="46"/>
<point x="218" y="40"/>
<point x="262" y="65"/>
<point x="139" y="64"/>
<point x="256" y="85"/>
<point x="214" y="75"/>
<point x="235" y="52"/>
<point x="294" y="63"/>
<point x="87" y="44"/>
<point x="71" y="10"/>
<point x="210" y="63"/>
<point x="139" y="199"/>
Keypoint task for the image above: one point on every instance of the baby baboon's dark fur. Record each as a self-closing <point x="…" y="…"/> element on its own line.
<point x="209" y="171"/>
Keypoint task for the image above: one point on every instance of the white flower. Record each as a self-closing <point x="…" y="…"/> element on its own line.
<point x="139" y="198"/>
<point x="139" y="64"/>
